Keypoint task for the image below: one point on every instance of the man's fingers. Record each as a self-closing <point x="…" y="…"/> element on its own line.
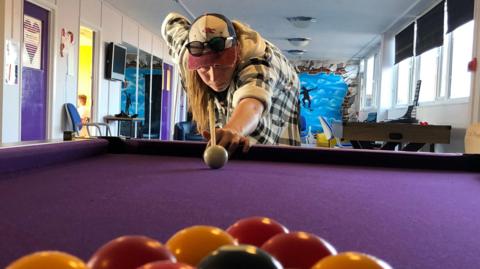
<point x="206" y="134"/>
<point x="224" y="139"/>
<point x="229" y="140"/>
<point x="233" y="145"/>
<point x="246" y="145"/>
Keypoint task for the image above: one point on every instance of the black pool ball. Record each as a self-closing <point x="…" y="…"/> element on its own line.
<point x="239" y="257"/>
<point x="215" y="156"/>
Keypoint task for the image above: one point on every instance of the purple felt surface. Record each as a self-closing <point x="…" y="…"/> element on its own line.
<point x="410" y="218"/>
<point x="22" y="158"/>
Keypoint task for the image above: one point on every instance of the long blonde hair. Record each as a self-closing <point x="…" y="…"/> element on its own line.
<point x="197" y="96"/>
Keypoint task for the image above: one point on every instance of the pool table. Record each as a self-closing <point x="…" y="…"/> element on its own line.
<point x="411" y="209"/>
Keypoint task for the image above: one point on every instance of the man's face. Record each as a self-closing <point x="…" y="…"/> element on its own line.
<point x="217" y="77"/>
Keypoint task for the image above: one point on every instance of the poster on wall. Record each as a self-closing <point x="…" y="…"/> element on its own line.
<point x="32" y="42"/>
<point x="67" y="50"/>
<point x="11" y="62"/>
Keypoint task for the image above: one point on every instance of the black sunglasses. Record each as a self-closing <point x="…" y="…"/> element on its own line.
<point x="215" y="44"/>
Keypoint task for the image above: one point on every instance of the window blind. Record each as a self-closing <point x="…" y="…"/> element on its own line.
<point x="459" y="12"/>
<point x="430" y="29"/>
<point x="404" y="44"/>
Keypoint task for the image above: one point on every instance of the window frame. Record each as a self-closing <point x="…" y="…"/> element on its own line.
<point x="440" y="99"/>
<point x="410" y="84"/>
<point x="438" y="81"/>
<point x="374" y="95"/>
<point x="450" y="58"/>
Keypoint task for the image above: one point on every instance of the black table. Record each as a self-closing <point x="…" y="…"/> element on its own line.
<point x="131" y="122"/>
<point x="403" y="136"/>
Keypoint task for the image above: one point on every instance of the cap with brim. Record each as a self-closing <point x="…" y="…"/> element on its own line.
<point x="223" y="58"/>
<point x="203" y="29"/>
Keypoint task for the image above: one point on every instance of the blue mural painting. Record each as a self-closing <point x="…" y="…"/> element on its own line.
<point x="321" y="94"/>
<point x="129" y="100"/>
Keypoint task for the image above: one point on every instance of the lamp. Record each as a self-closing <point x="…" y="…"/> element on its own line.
<point x="301" y="21"/>
<point x="299" y="41"/>
<point x="296" y="52"/>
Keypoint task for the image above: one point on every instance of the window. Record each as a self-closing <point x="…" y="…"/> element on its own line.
<point x="462" y="46"/>
<point x="443" y="70"/>
<point x="428" y="70"/>
<point x="404" y="78"/>
<point x="369" y="82"/>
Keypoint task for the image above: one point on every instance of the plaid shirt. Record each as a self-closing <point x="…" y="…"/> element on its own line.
<point x="270" y="78"/>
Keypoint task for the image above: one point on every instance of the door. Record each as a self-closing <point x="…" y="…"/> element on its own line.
<point x="34" y="73"/>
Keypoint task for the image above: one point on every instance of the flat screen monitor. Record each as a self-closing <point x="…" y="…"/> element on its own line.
<point x="115" y="62"/>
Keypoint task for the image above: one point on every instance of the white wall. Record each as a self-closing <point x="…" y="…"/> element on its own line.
<point x="64" y="91"/>
<point x="475" y="104"/>
<point x="91" y="13"/>
<point x="386" y="72"/>
<point x="10" y="11"/>
<point x="109" y="24"/>
<point x="109" y="91"/>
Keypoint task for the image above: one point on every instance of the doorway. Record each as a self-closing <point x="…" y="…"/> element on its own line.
<point x="85" y="76"/>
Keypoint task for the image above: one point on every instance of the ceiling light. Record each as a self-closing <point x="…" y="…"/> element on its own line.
<point x="296" y="52"/>
<point x="301" y="21"/>
<point x="299" y="41"/>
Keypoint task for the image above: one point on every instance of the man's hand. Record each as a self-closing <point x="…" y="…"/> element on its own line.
<point x="243" y="122"/>
<point x="229" y="139"/>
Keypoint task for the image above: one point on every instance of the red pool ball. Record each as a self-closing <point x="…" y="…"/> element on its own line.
<point x="129" y="252"/>
<point x="299" y="250"/>
<point x="255" y="230"/>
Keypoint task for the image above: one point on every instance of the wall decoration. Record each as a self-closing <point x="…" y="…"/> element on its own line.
<point x="32" y="42"/>
<point x="129" y="89"/>
<point x="66" y="50"/>
<point x="321" y="94"/>
<point x="328" y="89"/>
<point x="66" y="42"/>
<point x="11" y="62"/>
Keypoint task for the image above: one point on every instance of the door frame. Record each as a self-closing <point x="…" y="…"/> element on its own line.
<point x="96" y="53"/>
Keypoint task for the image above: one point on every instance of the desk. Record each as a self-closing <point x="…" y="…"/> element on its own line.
<point x="412" y="209"/>
<point x="408" y="137"/>
<point x="131" y="122"/>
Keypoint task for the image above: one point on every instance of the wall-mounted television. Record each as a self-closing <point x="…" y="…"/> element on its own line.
<point x="115" y="62"/>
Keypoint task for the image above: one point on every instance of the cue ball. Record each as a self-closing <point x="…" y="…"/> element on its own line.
<point x="215" y="156"/>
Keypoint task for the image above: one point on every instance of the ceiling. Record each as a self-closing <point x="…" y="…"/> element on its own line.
<point x="344" y="29"/>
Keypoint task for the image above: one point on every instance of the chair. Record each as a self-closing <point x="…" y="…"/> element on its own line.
<point x="371" y="117"/>
<point x="411" y="113"/>
<point x="186" y="130"/>
<point x="74" y="121"/>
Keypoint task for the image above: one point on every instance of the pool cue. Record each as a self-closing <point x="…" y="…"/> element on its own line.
<point x="211" y="118"/>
